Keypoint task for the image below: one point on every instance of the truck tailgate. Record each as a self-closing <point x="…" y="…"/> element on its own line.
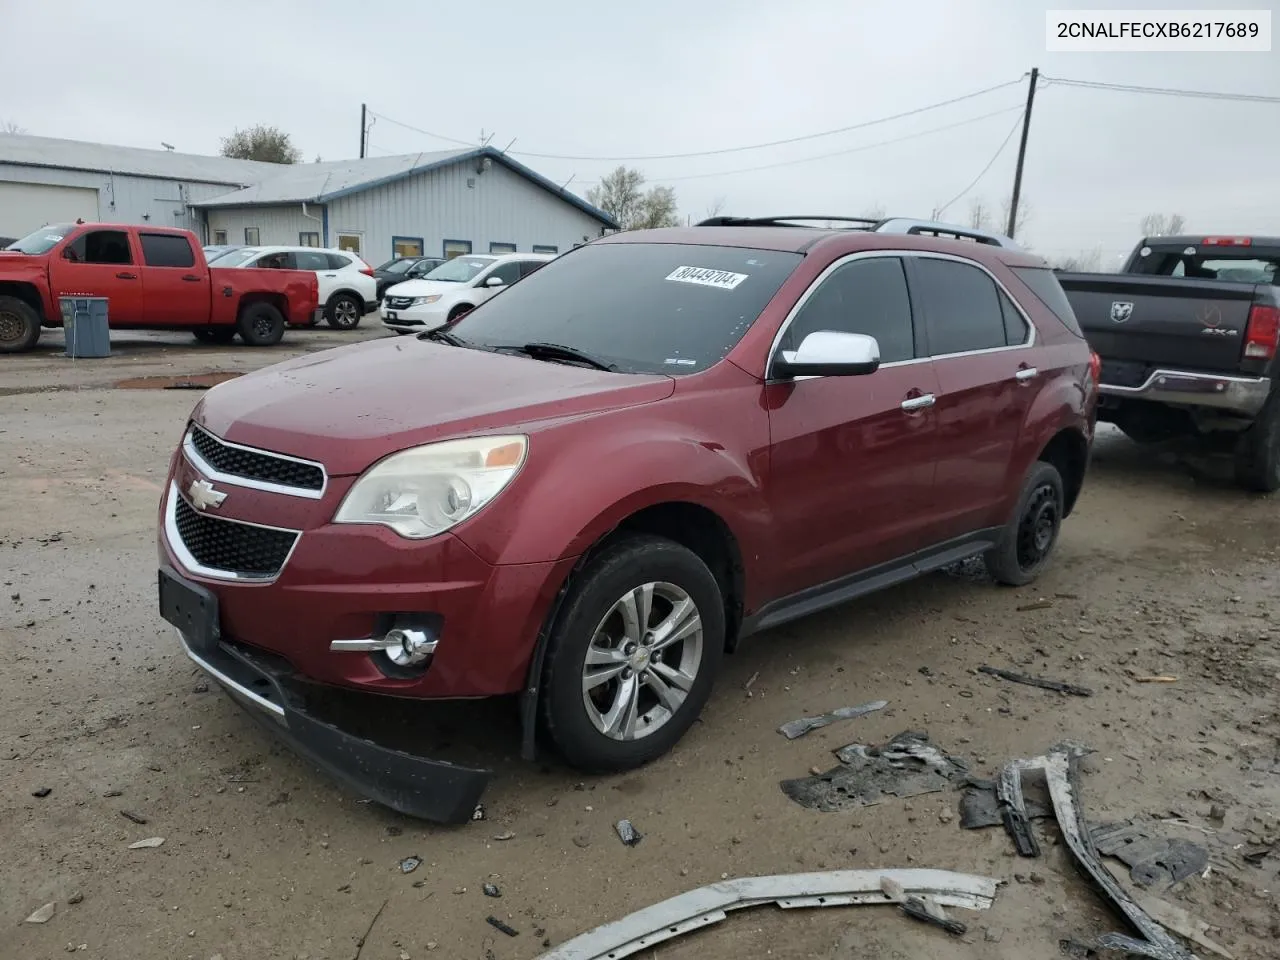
<point x="1139" y="323"/>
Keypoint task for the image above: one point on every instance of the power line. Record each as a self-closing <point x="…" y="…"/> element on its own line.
<point x="1162" y="91"/>
<point x="990" y="163"/>
<point x="838" y="153"/>
<point x="723" y="150"/>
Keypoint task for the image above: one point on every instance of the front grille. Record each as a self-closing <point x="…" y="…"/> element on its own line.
<point x="1124" y="373"/>
<point x="254" y="465"/>
<point x="399" y="303"/>
<point x="230" y="546"/>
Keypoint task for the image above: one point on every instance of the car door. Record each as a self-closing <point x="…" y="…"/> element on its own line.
<point x="101" y="263"/>
<point x="508" y="271"/>
<point x="851" y="458"/>
<point x="174" y="290"/>
<point x="980" y="342"/>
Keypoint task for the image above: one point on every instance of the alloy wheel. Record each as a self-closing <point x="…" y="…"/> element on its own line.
<point x="344" y="312"/>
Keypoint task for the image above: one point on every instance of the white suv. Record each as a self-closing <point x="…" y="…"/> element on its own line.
<point x="348" y="289"/>
<point x="453" y="288"/>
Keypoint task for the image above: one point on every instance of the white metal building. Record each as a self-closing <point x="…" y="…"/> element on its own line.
<point x="438" y="204"/>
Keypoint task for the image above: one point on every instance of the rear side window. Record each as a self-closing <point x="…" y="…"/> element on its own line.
<point x="337" y="261"/>
<point x="866" y="296"/>
<point x="307" y="260"/>
<point x="166" y="250"/>
<point x="1015" y="327"/>
<point x="961" y="305"/>
<point x="1046" y="286"/>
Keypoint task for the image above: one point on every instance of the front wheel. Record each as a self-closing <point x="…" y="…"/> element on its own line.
<point x="19" y="325"/>
<point x="343" y="312"/>
<point x="1029" y="539"/>
<point x="633" y="655"/>
<point x="261" y="325"/>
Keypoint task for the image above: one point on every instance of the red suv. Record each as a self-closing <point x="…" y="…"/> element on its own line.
<point x="591" y="487"/>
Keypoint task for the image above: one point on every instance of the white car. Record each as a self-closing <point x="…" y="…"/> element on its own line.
<point x="453" y="288"/>
<point x="348" y="289"/>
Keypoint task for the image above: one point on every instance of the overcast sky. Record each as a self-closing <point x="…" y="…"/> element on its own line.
<point x="599" y="79"/>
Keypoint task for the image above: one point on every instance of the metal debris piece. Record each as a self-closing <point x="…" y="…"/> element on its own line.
<point x="478" y="812"/>
<point x="42" y="792"/>
<point x="410" y="864"/>
<point x="979" y="806"/>
<point x="135" y="817"/>
<point x="627" y="833"/>
<point x="43" y="914"/>
<point x="1151" y="859"/>
<point x="1013" y="809"/>
<point x="499" y="925"/>
<point x="906" y="766"/>
<point x="149" y="842"/>
<point x="505" y="835"/>
<point x="920" y="908"/>
<point x="491" y="890"/>
<point x="1055" y="685"/>
<point x="1160" y="679"/>
<point x="1181" y="922"/>
<point x="798" y="728"/>
<point x="700" y="908"/>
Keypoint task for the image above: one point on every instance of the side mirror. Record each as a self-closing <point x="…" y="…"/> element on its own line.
<point x="494" y="282"/>
<point x="828" y="353"/>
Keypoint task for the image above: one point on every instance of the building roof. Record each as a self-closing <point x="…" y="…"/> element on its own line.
<point x="323" y="182"/>
<point x="106" y="158"/>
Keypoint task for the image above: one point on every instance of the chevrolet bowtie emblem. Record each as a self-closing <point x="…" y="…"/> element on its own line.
<point x="202" y="495"/>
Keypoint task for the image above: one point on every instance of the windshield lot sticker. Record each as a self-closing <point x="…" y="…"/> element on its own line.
<point x="706" y="277"/>
<point x="680" y="361"/>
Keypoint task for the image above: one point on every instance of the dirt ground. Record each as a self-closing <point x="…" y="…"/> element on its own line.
<point x="1165" y="569"/>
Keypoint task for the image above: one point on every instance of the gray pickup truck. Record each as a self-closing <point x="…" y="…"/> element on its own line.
<point x="1187" y="333"/>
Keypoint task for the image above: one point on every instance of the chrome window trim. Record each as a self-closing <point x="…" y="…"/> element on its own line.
<point x="902" y="254"/>
<point x="213" y="473"/>
<point x="192" y="565"/>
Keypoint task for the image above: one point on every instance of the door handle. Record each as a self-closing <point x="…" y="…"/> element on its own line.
<point x="190" y="278"/>
<point x="918" y="403"/>
<point x="1025" y="374"/>
<point x="125" y="275"/>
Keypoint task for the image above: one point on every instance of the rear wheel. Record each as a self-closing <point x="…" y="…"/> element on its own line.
<point x="1029" y="539"/>
<point x="1257" y="456"/>
<point x="19" y="325"/>
<point x="261" y="324"/>
<point x="343" y="312"/>
<point x="632" y="655"/>
<point x="221" y="335"/>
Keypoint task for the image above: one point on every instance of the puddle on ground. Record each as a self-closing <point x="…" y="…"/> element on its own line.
<point x="195" y="381"/>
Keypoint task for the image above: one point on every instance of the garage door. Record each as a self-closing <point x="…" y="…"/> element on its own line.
<point x="25" y="207"/>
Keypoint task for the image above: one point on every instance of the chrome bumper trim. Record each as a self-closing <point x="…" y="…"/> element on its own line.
<point x="1240" y="394"/>
<point x="232" y="686"/>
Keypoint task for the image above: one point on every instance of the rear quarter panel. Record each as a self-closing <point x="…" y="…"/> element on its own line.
<point x="295" y="293"/>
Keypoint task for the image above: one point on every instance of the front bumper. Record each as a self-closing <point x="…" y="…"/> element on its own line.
<point x="1242" y="395"/>
<point x="413" y="785"/>
<point x="413" y="318"/>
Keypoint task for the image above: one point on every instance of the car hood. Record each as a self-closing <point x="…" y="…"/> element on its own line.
<point x="353" y="405"/>
<point x="425" y="288"/>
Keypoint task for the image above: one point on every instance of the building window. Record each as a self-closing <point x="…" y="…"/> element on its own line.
<point x="495" y="247"/>
<point x="220" y="238"/>
<point x="309" y="239"/>
<point x="406" y="246"/>
<point x="456" y="248"/>
<point x="251" y="236"/>
<point x="349" y="242"/>
<point x="545" y="248"/>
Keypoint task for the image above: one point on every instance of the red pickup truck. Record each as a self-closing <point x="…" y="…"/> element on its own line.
<point x="156" y="278"/>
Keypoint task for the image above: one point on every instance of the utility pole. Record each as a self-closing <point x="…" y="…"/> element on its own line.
<point x="364" y="110"/>
<point x="1022" y="153"/>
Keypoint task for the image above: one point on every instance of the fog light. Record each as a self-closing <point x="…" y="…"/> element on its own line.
<point x="409" y="646"/>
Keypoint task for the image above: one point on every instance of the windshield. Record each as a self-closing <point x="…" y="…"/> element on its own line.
<point x="235" y="258"/>
<point x="396" y="266"/>
<point x="43" y="240"/>
<point x="459" y="269"/>
<point x="644" y="307"/>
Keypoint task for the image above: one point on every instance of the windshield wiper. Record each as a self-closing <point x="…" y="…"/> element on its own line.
<point x="441" y="335"/>
<point x="557" y="351"/>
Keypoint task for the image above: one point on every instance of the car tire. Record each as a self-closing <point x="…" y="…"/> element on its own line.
<point x="1027" y="543"/>
<point x="220" y="335"/>
<point x="343" y="311"/>
<point x="457" y="312"/>
<point x="261" y="324"/>
<point x="19" y="325"/>
<point x="1257" y="453"/>
<point x="598" y="620"/>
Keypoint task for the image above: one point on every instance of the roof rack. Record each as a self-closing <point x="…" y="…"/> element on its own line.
<point x="901" y="226"/>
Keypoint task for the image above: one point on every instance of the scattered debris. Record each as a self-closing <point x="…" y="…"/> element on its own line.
<point x="491" y="890"/>
<point x="478" y="812"/>
<point x="410" y="864"/>
<point x="201" y="687"/>
<point x="628" y="834"/>
<point x="43" y="914"/>
<point x="369" y="929"/>
<point x="1042" y="604"/>
<point x="1159" y="679"/>
<point x="136" y="818"/>
<point x="581" y="841"/>
<point x="1217" y="812"/>
<point x="147" y="843"/>
<point x="752" y="679"/>
<point x="1181" y="922"/>
<point x="906" y="766"/>
<point x="1255" y="855"/>
<point x="1055" y="685"/>
<point x="700" y="908"/>
<point x="75" y="898"/>
<point x="920" y="908"/>
<point x="1151" y="859"/>
<point x="499" y="925"/>
<point x="979" y="806"/>
<point x="798" y="728"/>
<point x="505" y="835"/>
<point x="42" y="792"/>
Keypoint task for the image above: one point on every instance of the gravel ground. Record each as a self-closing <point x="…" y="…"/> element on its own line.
<point x="1165" y="569"/>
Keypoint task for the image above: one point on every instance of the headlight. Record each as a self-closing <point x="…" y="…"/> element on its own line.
<point x="424" y="491"/>
<point x="423" y="301"/>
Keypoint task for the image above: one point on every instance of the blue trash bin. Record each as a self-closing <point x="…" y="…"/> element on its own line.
<point x="84" y="323"/>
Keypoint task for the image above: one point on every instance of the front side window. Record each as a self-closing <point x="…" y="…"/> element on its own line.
<point x="100" y="246"/>
<point x="509" y="272"/>
<point x="867" y="296"/>
<point x="644" y="307"/>
<point x="235" y="258"/>
<point x="961" y="305"/>
<point x="166" y="250"/>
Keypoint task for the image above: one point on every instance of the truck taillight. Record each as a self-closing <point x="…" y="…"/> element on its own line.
<point x="1263" y="332"/>
<point x="1095" y="366"/>
<point x="1228" y="241"/>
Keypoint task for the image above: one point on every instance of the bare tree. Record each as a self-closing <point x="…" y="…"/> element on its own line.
<point x="873" y="211"/>
<point x="621" y="195"/>
<point x="11" y="126"/>
<point x="261" y="142"/>
<point x="1086" y="261"/>
<point x="1020" y="222"/>
<point x="1160" y="225"/>
<point x="979" y="214"/>
<point x="715" y="208"/>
